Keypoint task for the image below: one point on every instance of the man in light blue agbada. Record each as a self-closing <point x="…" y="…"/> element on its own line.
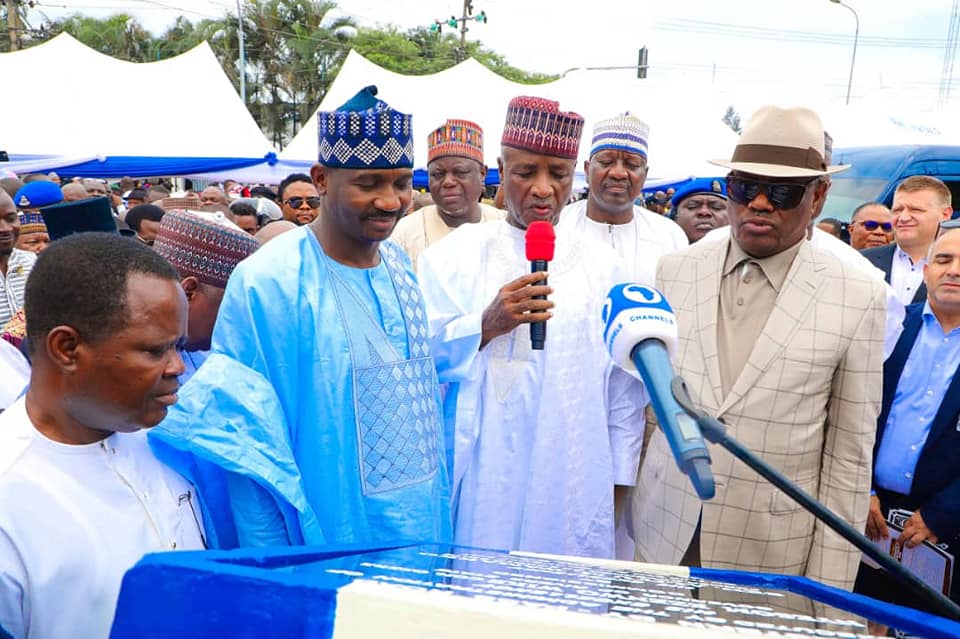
<point x="316" y="418"/>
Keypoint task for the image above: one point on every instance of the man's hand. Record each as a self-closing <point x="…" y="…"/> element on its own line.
<point x="915" y="532"/>
<point x="876" y="524"/>
<point x="514" y="305"/>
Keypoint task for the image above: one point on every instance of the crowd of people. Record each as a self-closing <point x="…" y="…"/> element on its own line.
<point x="345" y="360"/>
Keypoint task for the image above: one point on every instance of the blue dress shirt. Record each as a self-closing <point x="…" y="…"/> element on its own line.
<point x="920" y="391"/>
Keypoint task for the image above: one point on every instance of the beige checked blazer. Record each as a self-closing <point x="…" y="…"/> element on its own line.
<point x="807" y="402"/>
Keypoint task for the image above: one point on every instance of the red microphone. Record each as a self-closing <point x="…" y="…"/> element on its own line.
<point x="540" y="241"/>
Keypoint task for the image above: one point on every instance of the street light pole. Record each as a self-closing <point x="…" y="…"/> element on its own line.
<point x="856" y="36"/>
<point x="243" y="56"/>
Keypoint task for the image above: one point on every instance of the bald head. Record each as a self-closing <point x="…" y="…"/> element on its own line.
<point x="74" y="191"/>
<point x="273" y="229"/>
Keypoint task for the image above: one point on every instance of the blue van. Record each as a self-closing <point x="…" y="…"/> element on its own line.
<point x="876" y="171"/>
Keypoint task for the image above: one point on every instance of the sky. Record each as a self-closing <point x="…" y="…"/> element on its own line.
<point x="693" y="44"/>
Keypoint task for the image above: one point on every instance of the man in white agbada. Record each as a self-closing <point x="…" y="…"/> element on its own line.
<point x="539" y="438"/>
<point x="616" y="172"/>
<point x="82" y="497"/>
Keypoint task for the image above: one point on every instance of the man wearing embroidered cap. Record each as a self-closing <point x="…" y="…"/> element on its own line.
<point x="33" y="232"/>
<point x="539" y="438"/>
<point x="616" y="172"/>
<point x="204" y="248"/>
<point x="783" y="342"/>
<point x="333" y="407"/>
<point x="456" y="176"/>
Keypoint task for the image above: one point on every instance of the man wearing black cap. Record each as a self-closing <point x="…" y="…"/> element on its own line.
<point x="335" y="431"/>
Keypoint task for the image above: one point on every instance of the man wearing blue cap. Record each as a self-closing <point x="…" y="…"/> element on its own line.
<point x="330" y="429"/>
<point x="616" y="172"/>
<point x="699" y="206"/>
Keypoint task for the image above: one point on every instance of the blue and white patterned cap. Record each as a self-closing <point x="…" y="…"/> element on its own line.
<point x="622" y="133"/>
<point x="365" y="133"/>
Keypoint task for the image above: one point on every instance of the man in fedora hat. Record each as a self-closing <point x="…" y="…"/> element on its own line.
<point x="783" y="342"/>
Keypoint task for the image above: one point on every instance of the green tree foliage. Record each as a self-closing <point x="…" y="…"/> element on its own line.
<point x="294" y="49"/>
<point x="421" y="51"/>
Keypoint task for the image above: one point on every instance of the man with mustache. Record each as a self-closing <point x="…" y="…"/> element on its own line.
<point x="871" y="226"/>
<point x="329" y="430"/>
<point x="700" y="206"/>
<point x="539" y="438"/>
<point x="299" y="199"/>
<point x="82" y="497"/>
<point x="616" y="172"/>
<point x="783" y="342"/>
<point x="456" y="174"/>
<point x="917" y="455"/>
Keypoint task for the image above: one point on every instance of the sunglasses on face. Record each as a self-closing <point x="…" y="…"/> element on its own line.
<point x="872" y="225"/>
<point x="782" y="195"/>
<point x="297" y="202"/>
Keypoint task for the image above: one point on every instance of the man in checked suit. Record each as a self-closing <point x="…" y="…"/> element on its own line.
<point x="783" y="342"/>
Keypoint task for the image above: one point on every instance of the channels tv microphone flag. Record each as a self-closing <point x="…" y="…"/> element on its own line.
<point x="640" y="331"/>
<point x="540" y="240"/>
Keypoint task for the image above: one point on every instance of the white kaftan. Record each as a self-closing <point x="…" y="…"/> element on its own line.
<point x="73" y="519"/>
<point x="640" y="242"/>
<point x="540" y="437"/>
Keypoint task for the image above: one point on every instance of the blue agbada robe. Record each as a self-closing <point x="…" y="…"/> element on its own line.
<point x="316" y="417"/>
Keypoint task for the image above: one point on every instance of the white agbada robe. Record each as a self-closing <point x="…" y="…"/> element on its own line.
<point x="540" y="437"/>
<point x="74" y="519"/>
<point x="640" y="243"/>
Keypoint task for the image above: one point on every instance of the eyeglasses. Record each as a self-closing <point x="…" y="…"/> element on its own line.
<point x="297" y="202"/>
<point x="950" y="224"/>
<point x="782" y="195"/>
<point x="872" y="225"/>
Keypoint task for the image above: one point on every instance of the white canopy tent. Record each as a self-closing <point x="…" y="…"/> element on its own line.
<point x="471" y="91"/>
<point x="84" y="123"/>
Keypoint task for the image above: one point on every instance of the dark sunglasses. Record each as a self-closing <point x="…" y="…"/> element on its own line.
<point x="872" y="225"/>
<point x="783" y="195"/>
<point x="297" y="202"/>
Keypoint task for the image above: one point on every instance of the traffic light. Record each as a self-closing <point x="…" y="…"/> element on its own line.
<point x="642" y="63"/>
<point x="452" y="22"/>
<point x="481" y="17"/>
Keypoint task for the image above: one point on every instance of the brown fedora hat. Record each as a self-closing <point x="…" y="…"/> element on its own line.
<point x="780" y="142"/>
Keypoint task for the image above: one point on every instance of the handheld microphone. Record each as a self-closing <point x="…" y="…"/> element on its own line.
<point x="540" y="239"/>
<point x="640" y="332"/>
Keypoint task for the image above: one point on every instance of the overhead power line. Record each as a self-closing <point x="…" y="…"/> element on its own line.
<point x="788" y="35"/>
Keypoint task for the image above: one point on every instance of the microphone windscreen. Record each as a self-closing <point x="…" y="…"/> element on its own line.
<point x="631" y="314"/>
<point x="540" y="241"/>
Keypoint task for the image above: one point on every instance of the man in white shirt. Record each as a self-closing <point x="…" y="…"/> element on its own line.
<point x="920" y="203"/>
<point x="616" y="172"/>
<point x="540" y="438"/>
<point x="82" y="497"/>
